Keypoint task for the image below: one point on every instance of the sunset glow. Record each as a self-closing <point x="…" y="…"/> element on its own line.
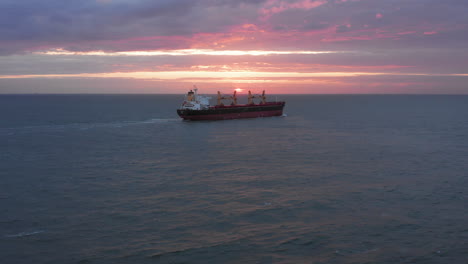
<point x="219" y="75"/>
<point x="290" y="46"/>
<point x="184" y="52"/>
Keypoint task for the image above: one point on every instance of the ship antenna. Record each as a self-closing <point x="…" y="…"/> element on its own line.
<point x="195" y="89"/>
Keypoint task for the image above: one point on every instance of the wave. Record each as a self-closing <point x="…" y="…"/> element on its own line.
<point x="237" y="245"/>
<point x="24" y="234"/>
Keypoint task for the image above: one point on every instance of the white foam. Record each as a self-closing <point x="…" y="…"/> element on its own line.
<point x="160" y="120"/>
<point x="23" y="234"/>
<point x="85" y="126"/>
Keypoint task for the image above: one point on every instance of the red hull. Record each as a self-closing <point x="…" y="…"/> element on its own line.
<point x="233" y="111"/>
<point x="227" y="116"/>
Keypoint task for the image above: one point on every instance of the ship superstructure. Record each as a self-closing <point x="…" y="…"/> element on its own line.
<point x="194" y="101"/>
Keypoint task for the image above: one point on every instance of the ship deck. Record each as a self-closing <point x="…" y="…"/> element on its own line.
<point x="247" y="105"/>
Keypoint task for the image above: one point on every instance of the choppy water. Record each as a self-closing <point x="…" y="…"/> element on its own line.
<point x="340" y="179"/>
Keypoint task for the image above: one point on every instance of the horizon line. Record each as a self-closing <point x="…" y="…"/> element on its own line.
<point x="237" y="94"/>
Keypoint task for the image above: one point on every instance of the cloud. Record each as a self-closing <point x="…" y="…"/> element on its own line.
<point x="343" y="28"/>
<point x="418" y="60"/>
<point x="378" y="84"/>
<point x="277" y="6"/>
<point x="58" y="23"/>
<point x="30" y="25"/>
<point x="398" y="36"/>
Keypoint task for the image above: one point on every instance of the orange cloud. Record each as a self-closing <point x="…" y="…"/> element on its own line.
<point x="182" y="52"/>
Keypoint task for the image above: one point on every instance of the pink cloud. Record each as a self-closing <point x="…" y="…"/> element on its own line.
<point x="430" y="32"/>
<point x="342" y="39"/>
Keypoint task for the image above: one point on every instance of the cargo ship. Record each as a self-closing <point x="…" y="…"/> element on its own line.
<point x="197" y="107"/>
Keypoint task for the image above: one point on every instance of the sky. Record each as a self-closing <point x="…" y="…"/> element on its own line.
<point x="282" y="46"/>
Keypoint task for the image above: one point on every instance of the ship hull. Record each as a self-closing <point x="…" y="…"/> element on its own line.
<point x="233" y="112"/>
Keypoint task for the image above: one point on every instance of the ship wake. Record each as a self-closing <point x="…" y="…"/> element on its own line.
<point x="10" y="131"/>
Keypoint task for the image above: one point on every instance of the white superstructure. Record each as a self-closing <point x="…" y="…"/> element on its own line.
<point x="194" y="101"/>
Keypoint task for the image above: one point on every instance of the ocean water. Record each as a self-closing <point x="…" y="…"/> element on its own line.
<point x="338" y="179"/>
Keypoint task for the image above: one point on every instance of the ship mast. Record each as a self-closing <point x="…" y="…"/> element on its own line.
<point x="233" y="98"/>
<point x="262" y="97"/>
<point x="196" y="91"/>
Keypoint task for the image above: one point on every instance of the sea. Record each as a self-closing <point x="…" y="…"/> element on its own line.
<point x="336" y="179"/>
